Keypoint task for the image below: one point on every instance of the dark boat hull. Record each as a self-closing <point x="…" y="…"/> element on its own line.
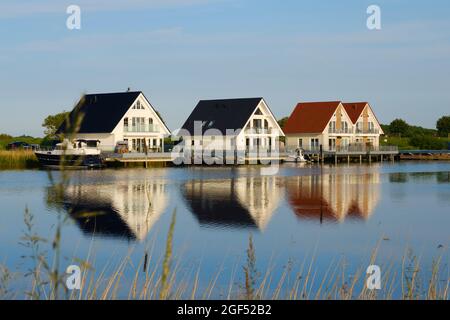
<point x="49" y="160"/>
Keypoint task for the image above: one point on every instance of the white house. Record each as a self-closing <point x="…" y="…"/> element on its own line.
<point x="247" y="202"/>
<point x="125" y="117"/>
<point x="332" y="125"/>
<point x="232" y="124"/>
<point x="126" y="208"/>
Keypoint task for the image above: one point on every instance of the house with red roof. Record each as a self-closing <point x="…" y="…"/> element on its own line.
<point x="332" y="125"/>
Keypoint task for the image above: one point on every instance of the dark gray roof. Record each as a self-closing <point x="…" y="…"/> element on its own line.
<point x="101" y="112"/>
<point x="222" y="114"/>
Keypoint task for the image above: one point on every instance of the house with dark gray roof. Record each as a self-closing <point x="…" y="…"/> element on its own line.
<point x="232" y="124"/>
<point x="122" y="117"/>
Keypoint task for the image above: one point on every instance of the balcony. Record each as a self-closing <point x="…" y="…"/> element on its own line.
<point x="367" y="131"/>
<point x="258" y="131"/>
<point x="352" y="149"/>
<point x="340" y="131"/>
<point x="149" y="128"/>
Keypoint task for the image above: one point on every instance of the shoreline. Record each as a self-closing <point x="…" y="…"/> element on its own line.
<point x="26" y="160"/>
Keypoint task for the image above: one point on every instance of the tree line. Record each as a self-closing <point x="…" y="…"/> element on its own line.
<point x="419" y="137"/>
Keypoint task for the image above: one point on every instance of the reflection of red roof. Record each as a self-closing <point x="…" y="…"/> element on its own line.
<point x="307" y="202"/>
<point x="310" y="117"/>
<point x="354" y="109"/>
<point x="311" y="208"/>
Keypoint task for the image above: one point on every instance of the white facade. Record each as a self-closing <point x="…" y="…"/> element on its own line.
<point x="340" y="132"/>
<point x="261" y="132"/>
<point x="140" y="127"/>
<point x="138" y="203"/>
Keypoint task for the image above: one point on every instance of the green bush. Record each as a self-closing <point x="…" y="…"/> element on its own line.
<point x="428" y="142"/>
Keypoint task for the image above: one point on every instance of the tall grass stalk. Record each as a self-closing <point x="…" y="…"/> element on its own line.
<point x="165" y="279"/>
<point x="164" y="292"/>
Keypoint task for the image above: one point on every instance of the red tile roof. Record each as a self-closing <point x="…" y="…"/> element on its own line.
<point x="310" y="117"/>
<point x="354" y="109"/>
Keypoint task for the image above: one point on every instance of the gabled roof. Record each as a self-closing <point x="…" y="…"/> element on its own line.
<point x="354" y="109"/>
<point x="310" y="117"/>
<point x="101" y="112"/>
<point x="222" y="114"/>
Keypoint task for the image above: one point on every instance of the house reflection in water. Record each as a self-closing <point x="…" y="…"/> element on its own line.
<point x="332" y="197"/>
<point x="123" y="210"/>
<point x="247" y="203"/>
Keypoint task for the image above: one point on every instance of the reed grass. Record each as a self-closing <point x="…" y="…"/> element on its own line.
<point x="169" y="277"/>
<point x="18" y="159"/>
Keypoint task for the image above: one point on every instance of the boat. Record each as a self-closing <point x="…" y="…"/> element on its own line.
<point x="296" y="156"/>
<point x="76" y="154"/>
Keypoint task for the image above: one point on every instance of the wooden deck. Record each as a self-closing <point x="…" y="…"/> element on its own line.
<point x="357" y="153"/>
<point x="348" y="154"/>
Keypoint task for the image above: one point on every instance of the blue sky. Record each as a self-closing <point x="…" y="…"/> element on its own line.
<point x="181" y="51"/>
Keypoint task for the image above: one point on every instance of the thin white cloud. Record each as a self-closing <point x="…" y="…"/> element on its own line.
<point x="15" y="9"/>
<point x="93" y="41"/>
<point x="403" y="41"/>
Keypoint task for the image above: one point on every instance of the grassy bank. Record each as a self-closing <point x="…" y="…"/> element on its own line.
<point x="18" y="159"/>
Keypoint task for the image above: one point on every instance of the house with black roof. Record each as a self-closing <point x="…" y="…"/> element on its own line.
<point x="121" y="117"/>
<point x="232" y="124"/>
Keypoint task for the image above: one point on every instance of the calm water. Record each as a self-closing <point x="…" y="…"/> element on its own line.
<point x="304" y="211"/>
